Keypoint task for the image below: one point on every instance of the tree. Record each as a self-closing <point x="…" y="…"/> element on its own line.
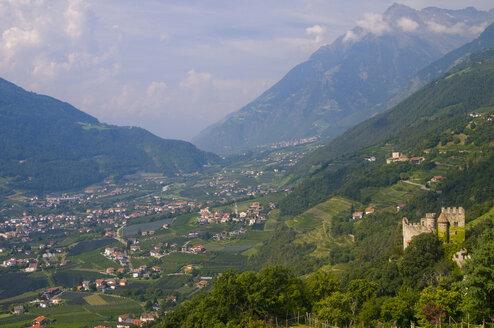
<point x="479" y="282"/>
<point x="438" y="303"/>
<point x="396" y="311"/>
<point x="359" y="291"/>
<point x="370" y="313"/>
<point x="321" y="284"/>
<point x="277" y="292"/>
<point x="334" y="309"/>
<point x="417" y="264"/>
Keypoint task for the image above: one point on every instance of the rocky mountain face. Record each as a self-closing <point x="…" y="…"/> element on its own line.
<point x="348" y="81"/>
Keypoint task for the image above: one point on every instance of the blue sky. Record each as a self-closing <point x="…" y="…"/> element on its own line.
<point x="172" y="67"/>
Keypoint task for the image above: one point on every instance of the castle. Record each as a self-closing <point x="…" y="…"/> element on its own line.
<point x="449" y="226"/>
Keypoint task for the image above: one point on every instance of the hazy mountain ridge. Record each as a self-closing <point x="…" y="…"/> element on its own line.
<point x="348" y="81"/>
<point x="415" y="124"/>
<point x="50" y="145"/>
<point x="459" y="57"/>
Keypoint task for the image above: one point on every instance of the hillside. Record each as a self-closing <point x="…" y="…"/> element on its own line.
<point x="346" y="82"/>
<point x="445" y="63"/>
<point x="464" y="89"/>
<point x="48" y="145"/>
<point x="340" y="231"/>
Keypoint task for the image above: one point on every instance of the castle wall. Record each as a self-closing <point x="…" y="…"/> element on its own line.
<point x="411" y="230"/>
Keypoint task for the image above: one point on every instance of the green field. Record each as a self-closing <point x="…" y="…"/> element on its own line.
<point x="95" y="300"/>
<point x="389" y="197"/>
<point x="17" y="283"/>
<point x="93" y="260"/>
<point x="79" y="309"/>
<point x="320" y="214"/>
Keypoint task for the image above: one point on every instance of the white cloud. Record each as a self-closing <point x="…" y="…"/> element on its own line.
<point x="456" y="29"/>
<point x="477" y="29"/>
<point x="194" y="78"/>
<point x="156" y="95"/>
<point x="350" y="36"/>
<point x="374" y="23"/>
<point x="75" y="16"/>
<point x="407" y="24"/>
<point x="15" y="36"/>
<point x="317" y="31"/>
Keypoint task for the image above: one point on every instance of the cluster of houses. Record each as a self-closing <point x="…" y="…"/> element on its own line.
<point x="144" y="272"/>
<point x="398" y="157"/>
<point x="116" y="255"/>
<point x="229" y="234"/>
<point x="251" y="216"/>
<point x="102" y="284"/>
<point x="47" y="253"/>
<point x="476" y="115"/>
<point x="26" y="225"/>
<point x="49" y="297"/>
<point x="129" y="320"/>
<point x="193" y="249"/>
<point x="359" y="215"/>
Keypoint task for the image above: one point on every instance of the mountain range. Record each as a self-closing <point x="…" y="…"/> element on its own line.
<point x="360" y="74"/>
<point x="49" y="145"/>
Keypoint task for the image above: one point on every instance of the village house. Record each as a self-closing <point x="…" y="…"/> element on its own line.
<point x="201" y="284"/>
<point x="369" y="211"/>
<point x="436" y="178"/>
<point x="148" y="316"/>
<point x="32" y="267"/>
<point x="357" y="216"/>
<point x="18" y="309"/>
<point x="99" y="283"/>
<point x="123" y="317"/>
<point x="41" y="320"/>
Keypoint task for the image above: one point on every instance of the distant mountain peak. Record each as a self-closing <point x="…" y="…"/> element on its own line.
<point x="348" y="80"/>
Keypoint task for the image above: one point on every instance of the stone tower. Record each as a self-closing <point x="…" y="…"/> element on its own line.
<point x="443" y="228"/>
<point x="456" y="219"/>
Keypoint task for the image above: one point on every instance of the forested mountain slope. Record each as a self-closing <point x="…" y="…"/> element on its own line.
<point x="464" y="89"/>
<point x="48" y="145"/>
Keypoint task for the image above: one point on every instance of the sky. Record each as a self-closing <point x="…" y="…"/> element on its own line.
<point x="172" y="67"/>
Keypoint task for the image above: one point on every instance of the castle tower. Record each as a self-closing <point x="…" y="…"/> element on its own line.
<point x="456" y="219"/>
<point x="430" y="220"/>
<point x="443" y="228"/>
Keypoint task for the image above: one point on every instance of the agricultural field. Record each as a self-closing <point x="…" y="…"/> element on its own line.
<point x="93" y="260"/>
<point x="89" y="245"/>
<point x="78" y="310"/>
<point x="136" y="229"/>
<point x="321" y="214"/>
<point x="17" y="283"/>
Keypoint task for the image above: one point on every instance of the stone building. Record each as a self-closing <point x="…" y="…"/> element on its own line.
<point x="449" y="226"/>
